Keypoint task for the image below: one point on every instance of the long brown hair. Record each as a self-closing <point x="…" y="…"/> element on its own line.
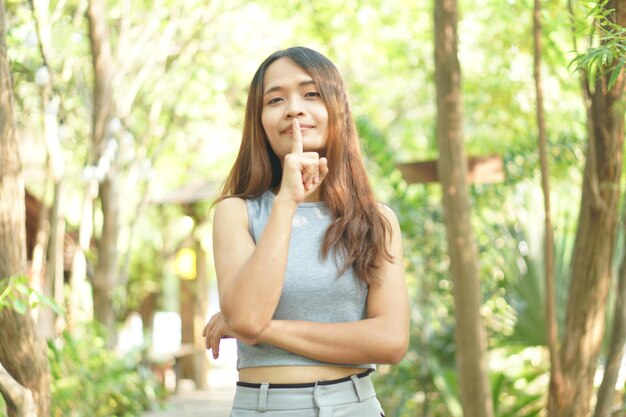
<point x="359" y="232"/>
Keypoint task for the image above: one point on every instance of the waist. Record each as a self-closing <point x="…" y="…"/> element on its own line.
<point x="264" y="397"/>
<point x="295" y="374"/>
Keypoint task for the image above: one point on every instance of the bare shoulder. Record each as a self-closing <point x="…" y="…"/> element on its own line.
<point x="394" y="241"/>
<point x="230" y="203"/>
<point x="390" y="215"/>
<point x="230" y="211"/>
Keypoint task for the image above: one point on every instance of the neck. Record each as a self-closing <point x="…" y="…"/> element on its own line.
<point x="312" y="198"/>
<point x="316" y="196"/>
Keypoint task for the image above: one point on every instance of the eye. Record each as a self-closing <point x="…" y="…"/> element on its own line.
<point x="274" y="100"/>
<point x="312" y="94"/>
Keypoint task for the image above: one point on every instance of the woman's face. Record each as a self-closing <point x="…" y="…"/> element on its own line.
<point x="290" y="92"/>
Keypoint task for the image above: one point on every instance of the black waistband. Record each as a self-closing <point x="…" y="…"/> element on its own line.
<point x="306" y="384"/>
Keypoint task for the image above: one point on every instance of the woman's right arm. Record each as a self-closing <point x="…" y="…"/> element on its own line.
<point x="250" y="277"/>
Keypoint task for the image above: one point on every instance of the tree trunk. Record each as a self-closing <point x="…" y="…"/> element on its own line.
<point x="102" y="59"/>
<point x="556" y="376"/>
<point x="22" y="352"/>
<point x="469" y="332"/>
<point x="80" y="307"/>
<point x="194" y="305"/>
<point x="25" y="358"/>
<point x="12" y="213"/>
<point x="604" y="404"/>
<point x="186" y="364"/>
<point x="53" y="282"/>
<point x="52" y="286"/>
<point x="593" y="250"/>
<point x="106" y="272"/>
<point x="20" y="398"/>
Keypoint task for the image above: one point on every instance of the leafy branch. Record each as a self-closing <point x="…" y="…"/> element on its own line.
<point x="18" y="295"/>
<point x="607" y="59"/>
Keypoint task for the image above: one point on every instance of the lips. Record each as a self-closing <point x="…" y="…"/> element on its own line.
<point x="289" y="129"/>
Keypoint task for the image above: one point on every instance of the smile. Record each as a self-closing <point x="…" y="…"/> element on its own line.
<point x="302" y="127"/>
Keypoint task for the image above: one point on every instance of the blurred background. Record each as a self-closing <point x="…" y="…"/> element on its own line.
<point x="129" y="116"/>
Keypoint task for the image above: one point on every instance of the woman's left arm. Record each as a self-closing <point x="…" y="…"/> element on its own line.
<point x="382" y="337"/>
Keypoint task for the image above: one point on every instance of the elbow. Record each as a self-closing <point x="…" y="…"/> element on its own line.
<point x="396" y="355"/>
<point x="245" y="322"/>
<point x="246" y="327"/>
<point x="395" y="351"/>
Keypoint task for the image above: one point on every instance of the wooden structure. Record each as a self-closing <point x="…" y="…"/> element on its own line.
<point x="34" y="208"/>
<point x="188" y="194"/>
<point x="480" y="170"/>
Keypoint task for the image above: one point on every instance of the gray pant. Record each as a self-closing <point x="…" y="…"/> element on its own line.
<point x="353" y="398"/>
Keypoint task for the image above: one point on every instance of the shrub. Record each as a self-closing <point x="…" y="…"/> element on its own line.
<point x="88" y="379"/>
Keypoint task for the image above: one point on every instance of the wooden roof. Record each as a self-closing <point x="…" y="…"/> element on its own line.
<point x="34" y="208"/>
<point x="190" y="193"/>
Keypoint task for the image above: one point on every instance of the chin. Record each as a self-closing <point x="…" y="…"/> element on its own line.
<point x="313" y="145"/>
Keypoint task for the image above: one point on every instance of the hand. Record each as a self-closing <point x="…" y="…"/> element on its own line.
<point x="216" y="330"/>
<point x="303" y="172"/>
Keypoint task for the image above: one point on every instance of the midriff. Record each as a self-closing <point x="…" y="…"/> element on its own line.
<point x="295" y="374"/>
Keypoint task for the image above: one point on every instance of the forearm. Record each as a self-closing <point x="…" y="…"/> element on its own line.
<point x="373" y="340"/>
<point x="251" y="298"/>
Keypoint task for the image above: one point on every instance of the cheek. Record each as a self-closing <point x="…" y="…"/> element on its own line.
<point x="323" y="118"/>
<point x="270" y="118"/>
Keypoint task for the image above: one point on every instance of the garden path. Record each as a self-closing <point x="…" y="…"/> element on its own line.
<point x="211" y="403"/>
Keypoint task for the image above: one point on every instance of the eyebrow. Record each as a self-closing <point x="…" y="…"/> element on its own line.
<point x="277" y="87"/>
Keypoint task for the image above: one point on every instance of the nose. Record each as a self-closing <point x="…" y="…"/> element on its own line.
<point x="294" y="108"/>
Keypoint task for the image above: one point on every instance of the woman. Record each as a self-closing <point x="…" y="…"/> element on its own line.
<point x="309" y="265"/>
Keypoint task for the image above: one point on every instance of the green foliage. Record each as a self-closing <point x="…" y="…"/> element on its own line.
<point x="609" y="57"/>
<point x="527" y="295"/>
<point x="518" y="385"/>
<point x="90" y="380"/>
<point x="520" y="393"/>
<point x="145" y="274"/>
<point x="524" y="264"/>
<point x="16" y="293"/>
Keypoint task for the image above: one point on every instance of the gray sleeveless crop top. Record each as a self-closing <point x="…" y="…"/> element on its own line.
<point x="312" y="289"/>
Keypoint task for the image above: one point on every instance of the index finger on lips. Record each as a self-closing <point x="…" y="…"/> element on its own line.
<point x="296" y="144"/>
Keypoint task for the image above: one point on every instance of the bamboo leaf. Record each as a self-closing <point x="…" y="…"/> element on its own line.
<point x="22" y="289"/>
<point x="4" y="294"/>
<point x="50" y="303"/>
<point x="615" y="72"/>
<point x="20" y="306"/>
